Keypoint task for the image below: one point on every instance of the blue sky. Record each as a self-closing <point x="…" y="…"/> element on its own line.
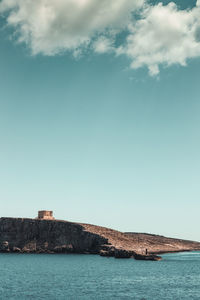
<point x="85" y="135"/>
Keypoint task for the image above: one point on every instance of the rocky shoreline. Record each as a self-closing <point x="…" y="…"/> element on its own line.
<point x="19" y="235"/>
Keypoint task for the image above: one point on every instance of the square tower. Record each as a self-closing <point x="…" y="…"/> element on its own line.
<point x="45" y="215"/>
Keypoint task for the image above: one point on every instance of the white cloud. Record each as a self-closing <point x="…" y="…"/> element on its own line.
<point x="53" y="26"/>
<point x="163" y="36"/>
<point x="103" y="44"/>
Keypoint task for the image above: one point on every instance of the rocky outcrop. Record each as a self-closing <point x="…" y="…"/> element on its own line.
<point x="45" y="236"/>
<point x="156" y="244"/>
<point x="152" y="257"/>
<point x="111" y="251"/>
<point x="54" y="236"/>
<point x="141" y="242"/>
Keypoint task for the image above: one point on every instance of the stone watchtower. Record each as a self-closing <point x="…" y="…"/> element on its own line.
<point x="45" y="215"/>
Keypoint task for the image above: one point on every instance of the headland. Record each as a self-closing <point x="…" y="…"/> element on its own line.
<point x="47" y="235"/>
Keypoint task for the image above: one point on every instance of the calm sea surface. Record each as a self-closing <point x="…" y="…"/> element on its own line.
<point x="33" y="276"/>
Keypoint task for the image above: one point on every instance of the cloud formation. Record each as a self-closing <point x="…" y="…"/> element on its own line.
<point x="53" y="26"/>
<point x="163" y="36"/>
<point x="160" y="35"/>
<point x="103" y="45"/>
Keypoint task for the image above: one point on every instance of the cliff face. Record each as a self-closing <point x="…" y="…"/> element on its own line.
<point x="30" y="235"/>
<point x="54" y="236"/>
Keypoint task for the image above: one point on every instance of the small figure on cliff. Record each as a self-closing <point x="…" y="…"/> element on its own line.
<point x="146" y="251"/>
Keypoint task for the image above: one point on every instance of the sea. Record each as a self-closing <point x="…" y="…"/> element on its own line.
<point x="74" y="276"/>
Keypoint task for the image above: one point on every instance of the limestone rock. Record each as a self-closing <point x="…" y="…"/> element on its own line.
<point x="122" y="253"/>
<point x="152" y="257"/>
<point x="16" y="249"/>
<point x="47" y="236"/>
<point x="4" y="246"/>
<point x="54" y="236"/>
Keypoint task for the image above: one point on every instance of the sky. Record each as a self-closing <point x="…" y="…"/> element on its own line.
<point x="99" y="113"/>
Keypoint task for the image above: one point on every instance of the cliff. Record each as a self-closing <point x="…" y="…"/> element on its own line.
<point x="33" y="235"/>
<point x="54" y="236"/>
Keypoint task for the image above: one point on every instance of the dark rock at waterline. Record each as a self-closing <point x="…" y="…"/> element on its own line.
<point x="122" y="253"/>
<point x="64" y="249"/>
<point x="17" y="250"/>
<point x="117" y="253"/>
<point x="152" y="257"/>
<point x="4" y="246"/>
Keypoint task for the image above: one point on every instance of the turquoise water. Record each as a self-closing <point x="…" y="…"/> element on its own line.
<point x="43" y="276"/>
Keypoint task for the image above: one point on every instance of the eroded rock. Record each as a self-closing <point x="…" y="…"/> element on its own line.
<point x="47" y="236"/>
<point x="54" y="236"/>
<point x="4" y="246"/>
<point x="152" y="257"/>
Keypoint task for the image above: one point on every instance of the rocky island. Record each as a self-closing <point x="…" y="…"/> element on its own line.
<point x="47" y="235"/>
